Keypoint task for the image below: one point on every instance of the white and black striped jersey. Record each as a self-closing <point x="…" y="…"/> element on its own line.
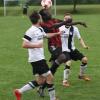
<point x="35" y="34"/>
<point x="67" y="37"/>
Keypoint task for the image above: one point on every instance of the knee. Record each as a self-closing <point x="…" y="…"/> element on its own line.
<point x="68" y="63"/>
<point x="41" y="80"/>
<point x="61" y="59"/>
<point x="84" y="60"/>
<point x="50" y="79"/>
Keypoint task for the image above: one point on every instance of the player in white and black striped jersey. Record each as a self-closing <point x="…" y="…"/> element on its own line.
<point x="69" y="50"/>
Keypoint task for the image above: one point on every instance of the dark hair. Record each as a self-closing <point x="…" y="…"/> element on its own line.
<point x="34" y="17"/>
<point x="45" y="14"/>
<point x="42" y="12"/>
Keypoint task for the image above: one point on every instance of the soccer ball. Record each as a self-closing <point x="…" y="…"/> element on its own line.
<point x="46" y="3"/>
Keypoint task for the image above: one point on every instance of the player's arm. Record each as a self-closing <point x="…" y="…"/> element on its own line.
<point x="83" y="43"/>
<point x="57" y="25"/>
<point x="77" y="33"/>
<point x="49" y="35"/>
<point x="27" y="44"/>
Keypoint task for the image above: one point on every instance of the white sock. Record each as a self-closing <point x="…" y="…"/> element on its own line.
<point x="25" y="88"/>
<point x="52" y="95"/>
<point x="66" y="75"/>
<point x="82" y="70"/>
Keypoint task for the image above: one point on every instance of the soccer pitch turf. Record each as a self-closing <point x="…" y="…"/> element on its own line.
<point x="15" y="70"/>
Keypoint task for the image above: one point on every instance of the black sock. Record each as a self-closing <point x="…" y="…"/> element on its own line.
<point x="54" y="67"/>
<point x="51" y="91"/>
<point x="33" y="84"/>
<point x="50" y="87"/>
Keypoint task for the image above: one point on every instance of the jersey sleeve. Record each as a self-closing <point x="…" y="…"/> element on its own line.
<point x="44" y="34"/>
<point x="42" y="30"/>
<point x="27" y="36"/>
<point x="77" y="33"/>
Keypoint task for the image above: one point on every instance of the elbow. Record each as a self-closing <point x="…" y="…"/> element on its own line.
<point x="24" y="46"/>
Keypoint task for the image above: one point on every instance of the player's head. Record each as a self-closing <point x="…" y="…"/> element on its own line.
<point x="34" y="17"/>
<point x="45" y="14"/>
<point x="68" y="17"/>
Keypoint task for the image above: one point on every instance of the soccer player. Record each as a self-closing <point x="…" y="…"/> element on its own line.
<point x="54" y="43"/>
<point x="33" y="41"/>
<point x="69" y="50"/>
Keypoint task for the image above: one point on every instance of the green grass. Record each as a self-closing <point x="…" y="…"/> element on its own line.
<point x="81" y="9"/>
<point x="15" y="71"/>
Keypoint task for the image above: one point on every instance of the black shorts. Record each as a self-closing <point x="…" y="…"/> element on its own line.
<point x="40" y="67"/>
<point x="73" y="55"/>
<point x="55" y="53"/>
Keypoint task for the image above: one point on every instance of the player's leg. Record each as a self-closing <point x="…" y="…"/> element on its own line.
<point x="61" y="59"/>
<point x="31" y="85"/>
<point x="55" y="54"/>
<point x="76" y="55"/>
<point x="49" y="84"/>
<point x="83" y="67"/>
<point x="49" y="80"/>
<point x="66" y="74"/>
<point x="50" y="87"/>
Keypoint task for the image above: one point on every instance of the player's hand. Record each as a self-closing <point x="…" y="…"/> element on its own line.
<point x="83" y="24"/>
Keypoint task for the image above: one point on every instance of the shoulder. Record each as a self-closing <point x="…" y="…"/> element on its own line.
<point x="31" y="30"/>
<point x="75" y="28"/>
<point x="62" y="27"/>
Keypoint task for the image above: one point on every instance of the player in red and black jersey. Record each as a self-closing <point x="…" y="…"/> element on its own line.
<point x="54" y="44"/>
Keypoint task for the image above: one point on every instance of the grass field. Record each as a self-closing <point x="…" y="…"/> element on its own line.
<point x="15" y="71"/>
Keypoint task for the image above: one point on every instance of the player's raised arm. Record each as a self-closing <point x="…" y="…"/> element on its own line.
<point x="68" y="22"/>
<point x="57" y="25"/>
